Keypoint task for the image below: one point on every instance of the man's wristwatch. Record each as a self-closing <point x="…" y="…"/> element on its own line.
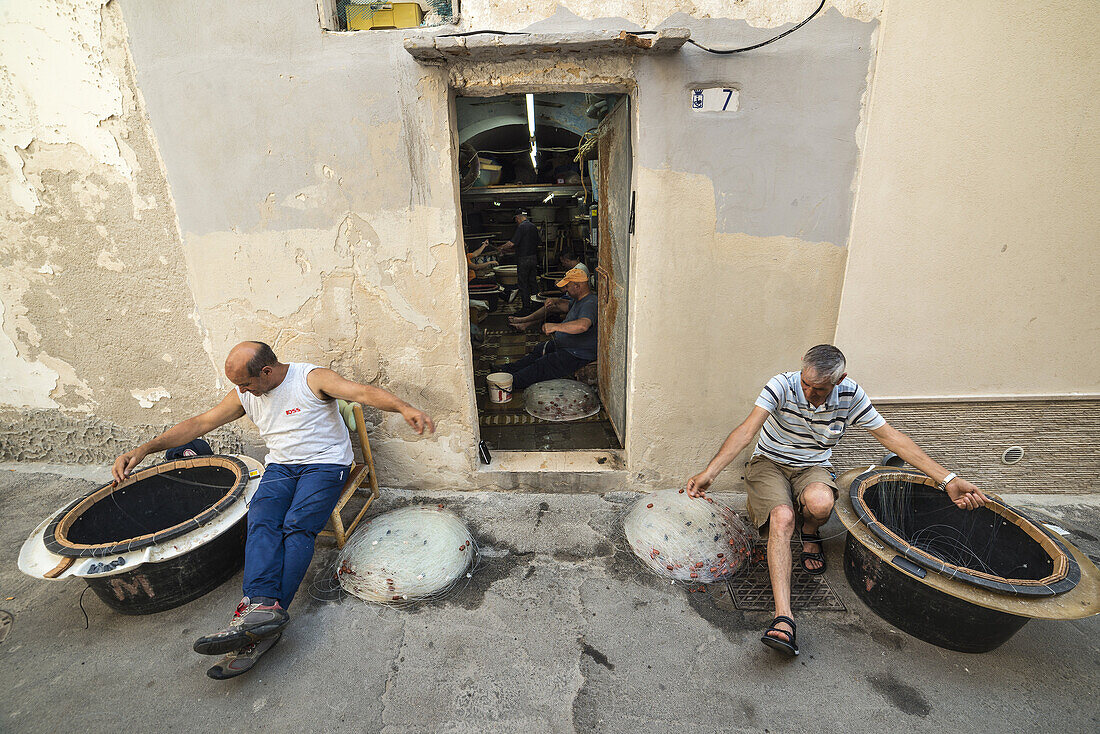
<point x="945" y="481"/>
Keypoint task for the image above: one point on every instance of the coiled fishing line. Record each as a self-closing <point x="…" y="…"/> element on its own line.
<point x="690" y="539"/>
<point x="407" y="555"/>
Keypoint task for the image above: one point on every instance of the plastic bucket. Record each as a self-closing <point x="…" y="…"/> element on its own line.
<point x="500" y="387"/>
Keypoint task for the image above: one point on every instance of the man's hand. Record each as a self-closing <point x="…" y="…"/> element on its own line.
<point x="549" y="328"/>
<point x="126" y="463"/>
<point x="418" y="419"/>
<point x="965" y="495"/>
<point x="697" y="486"/>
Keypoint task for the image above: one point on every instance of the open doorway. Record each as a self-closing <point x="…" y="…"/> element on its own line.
<point x="546" y="187"/>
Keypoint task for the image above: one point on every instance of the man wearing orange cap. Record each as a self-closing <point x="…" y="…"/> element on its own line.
<point x="574" y="340"/>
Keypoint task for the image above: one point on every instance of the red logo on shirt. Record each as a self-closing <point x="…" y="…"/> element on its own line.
<point x="292" y="411"/>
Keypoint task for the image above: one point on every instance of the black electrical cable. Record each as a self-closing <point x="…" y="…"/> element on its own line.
<point x="80" y="602"/>
<point x="478" y="33"/>
<point x="787" y="32"/>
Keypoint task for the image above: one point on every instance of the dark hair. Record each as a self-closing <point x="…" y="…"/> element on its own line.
<point x="264" y="357"/>
<point x="826" y="361"/>
<point x="568" y="255"/>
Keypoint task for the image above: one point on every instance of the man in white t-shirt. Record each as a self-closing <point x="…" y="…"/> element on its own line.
<point x="309" y="455"/>
<point x="800" y="416"/>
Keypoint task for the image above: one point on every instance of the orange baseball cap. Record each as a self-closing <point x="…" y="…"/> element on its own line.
<point x="576" y="275"/>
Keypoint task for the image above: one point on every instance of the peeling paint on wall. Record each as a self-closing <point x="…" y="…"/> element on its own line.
<point x="56" y="86"/>
<point x="51" y="435"/>
<point x="147" y="398"/>
<point x="93" y="285"/>
<point x="25" y="384"/>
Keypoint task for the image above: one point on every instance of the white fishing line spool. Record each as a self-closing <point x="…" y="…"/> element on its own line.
<point x="405" y="555"/>
<point x="684" y="538"/>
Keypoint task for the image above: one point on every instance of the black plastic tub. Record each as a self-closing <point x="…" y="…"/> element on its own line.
<point x="157" y="587"/>
<point x="899" y="597"/>
<point x="172" y="524"/>
<point x="910" y="535"/>
<point x="994" y="547"/>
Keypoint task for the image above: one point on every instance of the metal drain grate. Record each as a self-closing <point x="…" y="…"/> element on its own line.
<point x="752" y="591"/>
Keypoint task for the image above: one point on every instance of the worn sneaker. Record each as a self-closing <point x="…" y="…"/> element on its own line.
<point x="241" y="661"/>
<point x="252" y="622"/>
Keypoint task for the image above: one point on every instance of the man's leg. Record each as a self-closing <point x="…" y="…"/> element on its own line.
<point x="319" y="487"/>
<point x="554" y="364"/>
<point x="780" y="530"/>
<point x="772" y="505"/>
<point x="259" y="615"/>
<point x="527" y="360"/>
<point x="263" y="550"/>
<point x="527" y="273"/>
<point x="816" y="493"/>
<point x="524" y="322"/>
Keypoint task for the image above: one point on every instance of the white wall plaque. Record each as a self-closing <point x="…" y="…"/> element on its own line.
<point x="715" y="99"/>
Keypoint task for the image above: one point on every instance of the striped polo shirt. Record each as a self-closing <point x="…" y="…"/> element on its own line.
<point x="798" y="434"/>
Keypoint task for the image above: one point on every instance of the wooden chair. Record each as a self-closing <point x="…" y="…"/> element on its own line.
<point x="360" y="472"/>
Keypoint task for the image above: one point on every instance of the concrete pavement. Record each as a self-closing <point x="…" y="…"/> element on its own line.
<point x="559" y="630"/>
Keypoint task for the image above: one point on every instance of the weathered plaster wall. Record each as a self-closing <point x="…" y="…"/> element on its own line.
<point x="313" y="177"/>
<point x="558" y="15"/>
<point x="695" y="378"/>
<point x="976" y="239"/>
<point x="98" y="320"/>
<point x="314" y="184"/>
<point x="742" y="220"/>
<point x="741" y="231"/>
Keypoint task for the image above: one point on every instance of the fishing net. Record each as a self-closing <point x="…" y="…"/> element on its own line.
<point x="561" y="400"/>
<point x="684" y="538"/>
<point x="410" y="554"/>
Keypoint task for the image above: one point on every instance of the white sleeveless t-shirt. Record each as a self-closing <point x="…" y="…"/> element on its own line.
<point x="296" y="425"/>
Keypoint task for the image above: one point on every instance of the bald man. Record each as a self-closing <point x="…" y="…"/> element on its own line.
<point x="309" y="455"/>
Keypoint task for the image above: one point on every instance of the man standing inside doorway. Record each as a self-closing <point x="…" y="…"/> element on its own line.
<point x="309" y="455"/>
<point x="526" y="242"/>
<point x="800" y="417"/>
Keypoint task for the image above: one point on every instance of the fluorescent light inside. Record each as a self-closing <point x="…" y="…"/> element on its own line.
<point x="531" y="129"/>
<point x="549" y="198"/>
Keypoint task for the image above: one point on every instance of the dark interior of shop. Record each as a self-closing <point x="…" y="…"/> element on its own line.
<point x="535" y="153"/>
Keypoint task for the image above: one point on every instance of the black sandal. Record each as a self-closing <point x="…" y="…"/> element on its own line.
<point x="807" y="556"/>
<point x="789" y="645"/>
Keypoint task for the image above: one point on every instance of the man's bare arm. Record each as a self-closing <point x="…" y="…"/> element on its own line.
<point x="327" y="384"/>
<point x="734" y="444"/>
<point x="576" y="326"/>
<point x="964" y="494"/>
<point x="228" y="410"/>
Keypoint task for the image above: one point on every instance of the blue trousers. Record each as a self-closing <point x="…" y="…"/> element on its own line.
<point x="290" y="507"/>
<point x="545" y="362"/>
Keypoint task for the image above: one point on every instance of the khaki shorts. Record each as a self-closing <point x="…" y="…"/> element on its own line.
<point x="772" y="485"/>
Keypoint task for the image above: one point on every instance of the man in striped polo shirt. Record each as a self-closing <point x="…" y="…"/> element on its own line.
<point x="800" y="416"/>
